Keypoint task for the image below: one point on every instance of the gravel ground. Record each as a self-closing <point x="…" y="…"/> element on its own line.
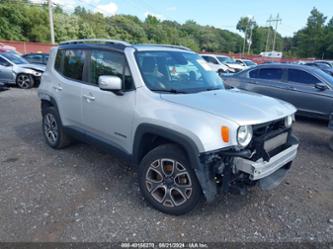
<point x="83" y="194"/>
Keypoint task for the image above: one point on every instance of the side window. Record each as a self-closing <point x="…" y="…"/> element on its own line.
<point x="270" y="73"/>
<point x="58" y="61"/>
<point x="210" y="59"/>
<point x="4" y="63"/>
<point x="254" y="74"/>
<point x="74" y="63"/>
<point x="300" y="76"/>
<point x="112" y="64"/>
<point x="35" y="58"/>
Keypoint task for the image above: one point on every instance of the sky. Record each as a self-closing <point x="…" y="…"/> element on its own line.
<point x="219" y="13"/>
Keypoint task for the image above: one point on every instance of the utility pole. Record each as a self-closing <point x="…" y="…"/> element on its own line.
<point x="269" y="25"/>
<point x="251" y="32"/>
<point x="277" y="21"/>
<point x="245" y="35"/>
<point x="51" y="21"/>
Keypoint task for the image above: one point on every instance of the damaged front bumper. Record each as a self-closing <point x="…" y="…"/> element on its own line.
<point x="260" y="169"/>
<point x="266" y="163"/>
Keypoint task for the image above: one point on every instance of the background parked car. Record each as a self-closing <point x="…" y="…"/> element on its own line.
<point x="216" y="65"/>
<point x="222" y="60"/>
<point x="246" y="63"/>
<point x="307" y="88"/>
<point x="36" y="58"/>
<point x="321" y="65"/>
<point x="16" y="70"/>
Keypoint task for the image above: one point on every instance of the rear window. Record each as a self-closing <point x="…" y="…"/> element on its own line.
<point x="270" y="73"/>
<point x="58" y="61"/>
<point x="74" y="63"/>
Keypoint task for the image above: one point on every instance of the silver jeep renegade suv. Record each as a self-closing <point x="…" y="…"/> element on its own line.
<point x="163" y="109"/>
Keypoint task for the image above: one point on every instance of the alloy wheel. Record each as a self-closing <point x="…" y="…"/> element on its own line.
<point x="51" y="128"/>
<point x="24" y="81"/>
<point x="168" y="182"/>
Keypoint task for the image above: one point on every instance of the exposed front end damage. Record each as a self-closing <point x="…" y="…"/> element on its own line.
<point x="265" y="162"/>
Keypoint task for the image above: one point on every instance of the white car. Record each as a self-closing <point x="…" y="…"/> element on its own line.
<point x="216" y="65"/>
<point x="216" y="61"/>
<point x="246" y="63"/>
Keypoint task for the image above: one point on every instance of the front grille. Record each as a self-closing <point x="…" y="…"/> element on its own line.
<point x="264" y="132"/>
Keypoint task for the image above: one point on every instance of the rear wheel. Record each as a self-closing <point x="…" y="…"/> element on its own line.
<point x="25" y="81"/>
<point x="53" y="130"/>
<point x="167" y="180"/>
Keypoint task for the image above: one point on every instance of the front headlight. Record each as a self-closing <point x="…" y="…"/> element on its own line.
<point x="288" y="121"/>
<point x="244" y="135"/>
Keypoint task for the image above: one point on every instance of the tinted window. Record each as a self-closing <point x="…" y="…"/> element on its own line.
<point x="112" y="64"/>
<point x="270" y="73"/>
<point x="4" y="63"/>
<point x="210" y="59"/>
<point x="254" y="73"/>
<point x="73" y="64"/>
<point x="35" y="58"/>
<point x="58" y="61"/>
<point x="300" y="76"/>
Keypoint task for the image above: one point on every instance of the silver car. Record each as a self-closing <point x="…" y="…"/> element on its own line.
<point x="167" y="112"/>
<point x="16" y="70"/>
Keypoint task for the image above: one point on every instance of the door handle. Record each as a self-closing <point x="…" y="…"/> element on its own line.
<point x="57" y="88"/>
<point x="89" y="98"/>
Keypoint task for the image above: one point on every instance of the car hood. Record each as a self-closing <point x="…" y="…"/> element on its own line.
<point x="241" y="107"/>
<point x="40" y="68"/>
<point x="234" y="65"/>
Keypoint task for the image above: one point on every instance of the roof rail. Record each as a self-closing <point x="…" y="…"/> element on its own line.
<point x="167" y="46"/>
<point x="92" y="41"/>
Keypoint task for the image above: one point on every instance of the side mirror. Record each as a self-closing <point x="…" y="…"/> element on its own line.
<point x="110" y="83"/>
<point x="321" y="86"/>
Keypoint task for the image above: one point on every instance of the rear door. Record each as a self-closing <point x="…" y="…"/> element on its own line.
<point x="305" y="96"/>
<point x="266" y="81"/>
<point x="67" y="85"/>
<point x="106" y="115"/>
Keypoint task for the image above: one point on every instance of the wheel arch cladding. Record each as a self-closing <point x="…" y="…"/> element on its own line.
<point x="142" y="141"/>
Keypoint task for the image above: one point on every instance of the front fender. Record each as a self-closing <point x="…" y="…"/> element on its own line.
<point x="201" y="169"/>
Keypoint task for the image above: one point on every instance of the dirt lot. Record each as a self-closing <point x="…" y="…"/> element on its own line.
<point x="83" y="194"/>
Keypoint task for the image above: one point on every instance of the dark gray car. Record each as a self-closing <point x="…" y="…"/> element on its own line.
<point x="307" y="88"/>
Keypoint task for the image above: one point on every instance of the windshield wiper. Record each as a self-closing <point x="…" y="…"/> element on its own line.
<point x="174" y="91"/>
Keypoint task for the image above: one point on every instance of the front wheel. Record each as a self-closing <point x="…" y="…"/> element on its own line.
<point x="25" y="81"/>
<point x="167" y="181"/>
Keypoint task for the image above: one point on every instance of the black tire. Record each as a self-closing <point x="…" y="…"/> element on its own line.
<point x="177" y="192"/>
<point x="53" y="130"/>
<point x="25" y="81"/>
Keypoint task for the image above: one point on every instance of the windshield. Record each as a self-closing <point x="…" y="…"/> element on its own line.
<point x="14" y="58"/>
<point x="225" y="59"/>
<point x="177" y="72"/>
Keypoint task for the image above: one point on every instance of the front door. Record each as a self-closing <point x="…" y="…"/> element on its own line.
<point x="305" y="96"/>
<point x="107" y="115"/>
